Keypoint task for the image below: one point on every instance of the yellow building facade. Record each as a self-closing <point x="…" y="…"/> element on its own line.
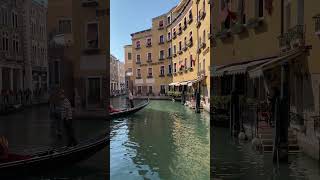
<point x="262" y="45"/>
<point x="180" y="47"/>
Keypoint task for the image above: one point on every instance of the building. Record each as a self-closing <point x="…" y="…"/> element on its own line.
<point x="80" y="28"/>
<point x="173" y="55"/>
<point x="23" y="49"/>
<point x="36" y="50"/>
<point x="241" y="61"/>
<point x="121" y="76"/>
<point x="11" y="47"/>
<point x="128" y="65"/>
<point x="114" y="75"/>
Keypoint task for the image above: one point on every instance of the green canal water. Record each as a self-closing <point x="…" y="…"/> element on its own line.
<point x="165" y="140"/>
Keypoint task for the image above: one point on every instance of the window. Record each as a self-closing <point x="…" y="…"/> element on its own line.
<point x="288" y="16"/>
<point x="149" y="72"/>
<point x="149" y="56"/>
<point x="149" y="43"/>
<point x="161" y="39"/>
<point x="161" y="23"/>
<point x="169" y="35"/>
<point x="259" y="8"/>
<point x="150" y="90"/>
<point x="169" y="51"/>
<point x="191" y="61"/>
<point x="180" y="28"/>
<point x="129" y="56"/>
<point x="190" y="36"/>
<point x="185" y="63"/>
<point x="92" y="35"/>
<point x="204" y="35"/>
<point x="138" y="58"/>
<point x="169" y="19"/>
<point x="174" y="49"/>
<point x="14" y="20"/>
<point x="138" y="72"/>
<point x="138" y="44"/>
<point x="5" y="41"/>
<point x="185" y="21"/>
<point x="174" y="32"/>
<point x="241" y="10"/>
<point x="185" y="41"/>
<point x="169" y="69"/>
<point x="162" y="89"/>
<point x="129" y="69"/>
<point x="162" y="54"/>
<point x="180" y="45"/>
<point x="204" y="65"/>
<point x="190" y="14"/>
<point x="65" y="26"/>
<point x="175" y="67"/>
<point x="162" y="70"/>
<point x="204" y="5"/>
<point x="139" y="89"/>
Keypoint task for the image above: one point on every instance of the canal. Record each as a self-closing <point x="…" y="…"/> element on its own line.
<point x="237" y="160"/>
<point x="166" y="140"/>
<point x="33" y="128"/>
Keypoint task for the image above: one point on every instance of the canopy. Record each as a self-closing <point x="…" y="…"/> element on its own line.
<point x="239" y="68"/>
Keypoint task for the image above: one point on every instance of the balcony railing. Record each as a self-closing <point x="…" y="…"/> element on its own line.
<point x="161" y="27"/>
<point x="139" y="77"/>
<point x="161" y="42"/>
<point x="149" y="45"/>
<point x="293" y="38"/>
<point x="161" y="75"/>
<point x="161" y="58"/>
<point x="138" y="62"/>
<point x="90" y="3"/>
<point x="149" y="76"/>
<point x="138" y="47"/>
<point x="149" y="60"/>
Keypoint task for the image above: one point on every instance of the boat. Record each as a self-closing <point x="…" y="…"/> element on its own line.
<point x="51" y="158"/>
<point x="11" y="109"/>
<point x="101" y="114"/>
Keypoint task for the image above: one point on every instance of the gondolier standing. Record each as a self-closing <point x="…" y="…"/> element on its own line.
<point x="131" y="99"/>
<point x="66" y="116"/>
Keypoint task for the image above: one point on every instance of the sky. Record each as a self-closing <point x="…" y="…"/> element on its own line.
<point x="129" y="16"/>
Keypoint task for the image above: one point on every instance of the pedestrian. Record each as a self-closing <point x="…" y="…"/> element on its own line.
<point x="66" y="116"/>
<point x="131" y="99"/>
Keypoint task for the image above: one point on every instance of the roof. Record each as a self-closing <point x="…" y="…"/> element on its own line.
<point x="140" y="32"/>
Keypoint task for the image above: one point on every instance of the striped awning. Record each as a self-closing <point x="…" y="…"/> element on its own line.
<point x="239" y="68"/>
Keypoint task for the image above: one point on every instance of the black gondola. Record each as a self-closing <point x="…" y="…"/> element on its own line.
<point x="100" y="115"/>
<point x="7" y="110"/>
<point x="52" y="158"/>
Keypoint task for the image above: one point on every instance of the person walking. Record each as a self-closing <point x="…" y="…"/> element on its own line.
<point x="131" y="99"/>
<point x="66" y="116"/>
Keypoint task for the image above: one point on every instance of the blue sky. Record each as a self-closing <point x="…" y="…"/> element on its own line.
<point x="129" y="16"/>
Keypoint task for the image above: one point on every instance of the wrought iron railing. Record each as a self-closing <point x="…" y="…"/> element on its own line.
<point x="293" y="34"/>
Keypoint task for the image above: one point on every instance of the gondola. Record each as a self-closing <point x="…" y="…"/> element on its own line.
<point x="100" y="115"/>
<point x="11" y="109"/>
<point x="51" y="158"/>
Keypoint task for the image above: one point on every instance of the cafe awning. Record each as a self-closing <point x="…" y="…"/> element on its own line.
<point x="239" y="68"/>
<point x="258" y="71"/>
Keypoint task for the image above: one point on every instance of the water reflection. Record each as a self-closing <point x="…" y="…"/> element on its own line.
<point x="33" y="128"/>
<point x="164" y="141"/>
<point x="234" y="160"/>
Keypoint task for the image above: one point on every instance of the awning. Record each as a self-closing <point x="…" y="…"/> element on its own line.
<point x="258" y="71"/>
<point x="239" y="68"/>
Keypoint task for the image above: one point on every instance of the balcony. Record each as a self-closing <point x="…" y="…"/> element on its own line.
<point x="190" y="43"/>
<point x="139" y="77"/>
<point x="161" y="75"/>
<point x="190" y="69"/>
<point x="149" y="45"/>
<point x="180" y="52"/>
<point x="174" y="35"/>
<point x="184" y="27"/>
<point x="184" y="47"/>
<point x="161" y="58"/>
<point x="198" y="24"/>
<point x="149" y="61"/>
<point x="169" y="39"/>
<point x="149" y="76"/>
<point x="161" y="27"/>
<point x="90" y="3"/>
<point x="161" y="42"/>
<point x="169" y="74"/>
<point x="294" y="38"/>
<point x="202" y="15"/>
<point x="174" y="54"/>
<point x="138" y="47"/>
<point x="169" y="57"/>
<point x="138" y="62"/>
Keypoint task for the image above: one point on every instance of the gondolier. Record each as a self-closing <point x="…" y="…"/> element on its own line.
<point x="66" y="116"/>
<point x="131" y="99"/>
